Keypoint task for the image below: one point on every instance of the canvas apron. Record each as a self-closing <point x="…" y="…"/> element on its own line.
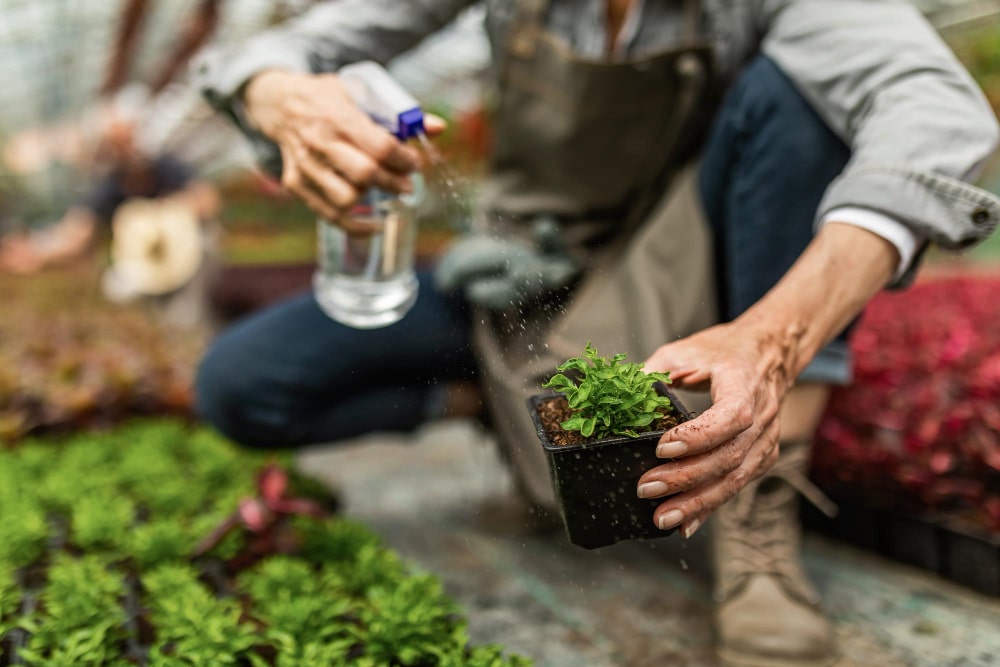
<point x="602" y="146"/>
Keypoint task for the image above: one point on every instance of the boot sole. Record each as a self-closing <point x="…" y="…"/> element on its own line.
<point x="737" y="659"/>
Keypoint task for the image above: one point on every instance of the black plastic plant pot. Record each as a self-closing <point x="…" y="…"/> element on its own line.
<point x="595" y="482"/>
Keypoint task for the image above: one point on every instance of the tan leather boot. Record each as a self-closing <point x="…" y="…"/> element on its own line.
<point x="768" y="613"/>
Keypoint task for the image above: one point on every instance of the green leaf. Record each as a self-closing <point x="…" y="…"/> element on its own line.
<point x="643" y="419"/>
<point x="574" y="365"/>
<point x="559" y="382"/>
<point x="611" y="397"/>
<point x="573" y="424"/>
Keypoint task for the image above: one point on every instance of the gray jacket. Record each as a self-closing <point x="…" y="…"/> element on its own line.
<point x="875" y="70"/>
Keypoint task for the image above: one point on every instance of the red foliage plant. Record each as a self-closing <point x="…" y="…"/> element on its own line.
<point x="265" y="519"/>
<point x="920" y="426"/>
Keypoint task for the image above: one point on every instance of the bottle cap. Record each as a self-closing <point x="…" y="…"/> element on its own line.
<point x="382" y="98"/>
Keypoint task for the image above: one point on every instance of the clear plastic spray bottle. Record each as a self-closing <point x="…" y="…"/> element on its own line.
<point x="367" y="281"/>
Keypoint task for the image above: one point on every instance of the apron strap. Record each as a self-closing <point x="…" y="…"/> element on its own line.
<point x="692" y="20"/>
<point x="526" y="25"/>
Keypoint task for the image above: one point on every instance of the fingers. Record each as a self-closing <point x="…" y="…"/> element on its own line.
<point x="315" y="201"/>
<point x="388" y="151"/>
<point x="735" y="407"/>
<point x="331" y="175"/>
<point x="323" y="190"/>
<point x="690" y="509"/>
<point x="329" y="184"/>
<point x="434" y="125"/>
<point x="695" y="471"/>
<point x="360" y="169"/>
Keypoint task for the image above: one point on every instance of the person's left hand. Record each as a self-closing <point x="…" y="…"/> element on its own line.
<point x="732" y="443"/>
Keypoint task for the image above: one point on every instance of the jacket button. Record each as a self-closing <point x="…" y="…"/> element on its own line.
<point x="980" y="216"/>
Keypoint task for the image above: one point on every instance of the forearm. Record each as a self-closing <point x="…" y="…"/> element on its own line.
<point x="750" y="364"/>
<point x="839" y="272"/>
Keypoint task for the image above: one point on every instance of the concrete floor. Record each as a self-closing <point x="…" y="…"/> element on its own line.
<point x="440" y="498"/>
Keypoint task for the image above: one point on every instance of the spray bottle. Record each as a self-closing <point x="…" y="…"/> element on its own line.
<point x="367" y="280"/>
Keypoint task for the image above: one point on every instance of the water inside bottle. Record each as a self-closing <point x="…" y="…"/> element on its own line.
<point x="366" y="280"/>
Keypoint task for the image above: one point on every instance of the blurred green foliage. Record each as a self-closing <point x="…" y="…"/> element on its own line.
<point x="95" y="566"/>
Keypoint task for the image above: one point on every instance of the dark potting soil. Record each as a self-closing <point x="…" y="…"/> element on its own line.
<point x="554" y="411"/>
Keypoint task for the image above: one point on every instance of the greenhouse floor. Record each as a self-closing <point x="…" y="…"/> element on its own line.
<point x="439" y="498"/>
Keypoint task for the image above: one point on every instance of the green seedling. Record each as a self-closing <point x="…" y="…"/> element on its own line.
<point x="375" y="566"/>
<point x="160" y="541"/>
<point x="81" y="621"/>
<point x="333" y="540"/>
<point x="10" y="598"/>
<point x="86" y="647"/>
<point x="411" y="622"/>
<point x="298" y="606"/>
<point x="482" y="656"/>
<point x="23" y="533"/>
<point x="609" y="396"/>
<point x="102" y="521"/>
<point x="191" y="622"/>
<point x="292" y="653"/>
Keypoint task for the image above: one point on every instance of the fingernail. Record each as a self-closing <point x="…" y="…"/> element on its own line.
<point x="651" y="489"/>
<point x="671" y="519"/>
<point x="671" y="450"/>
<point x="690" y="529"/>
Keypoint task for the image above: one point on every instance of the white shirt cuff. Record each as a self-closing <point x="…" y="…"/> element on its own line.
<point x="906" y="241"/>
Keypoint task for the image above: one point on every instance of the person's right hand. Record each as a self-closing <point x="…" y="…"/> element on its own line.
<point x="331" y="150"/>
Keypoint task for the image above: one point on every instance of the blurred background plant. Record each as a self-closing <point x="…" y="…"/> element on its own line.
<point x="95" y="569"/>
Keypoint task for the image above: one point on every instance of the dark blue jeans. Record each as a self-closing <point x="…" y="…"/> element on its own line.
<point x="768" y="160"/>
<point x="290" y="375"/>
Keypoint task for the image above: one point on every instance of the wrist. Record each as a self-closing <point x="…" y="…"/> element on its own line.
<point x="779" y="343"/>
<point x="828" y="286"/>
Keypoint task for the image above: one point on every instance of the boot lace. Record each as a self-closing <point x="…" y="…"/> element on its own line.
<point x="759" y="530"/>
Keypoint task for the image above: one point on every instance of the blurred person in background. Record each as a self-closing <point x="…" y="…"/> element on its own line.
<point x="783" y="159"/>
<point x="130" y="175"/>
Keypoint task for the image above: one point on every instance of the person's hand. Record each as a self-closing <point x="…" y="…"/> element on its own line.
<point x="732" y="443"/>
<point x="331" y="150"/>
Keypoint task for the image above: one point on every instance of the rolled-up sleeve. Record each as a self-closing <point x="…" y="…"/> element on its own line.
<point x="918" y="125"/>
<point x="322" y="39"/>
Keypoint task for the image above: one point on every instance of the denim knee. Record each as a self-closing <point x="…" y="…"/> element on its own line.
<point x="230" y="397"/>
